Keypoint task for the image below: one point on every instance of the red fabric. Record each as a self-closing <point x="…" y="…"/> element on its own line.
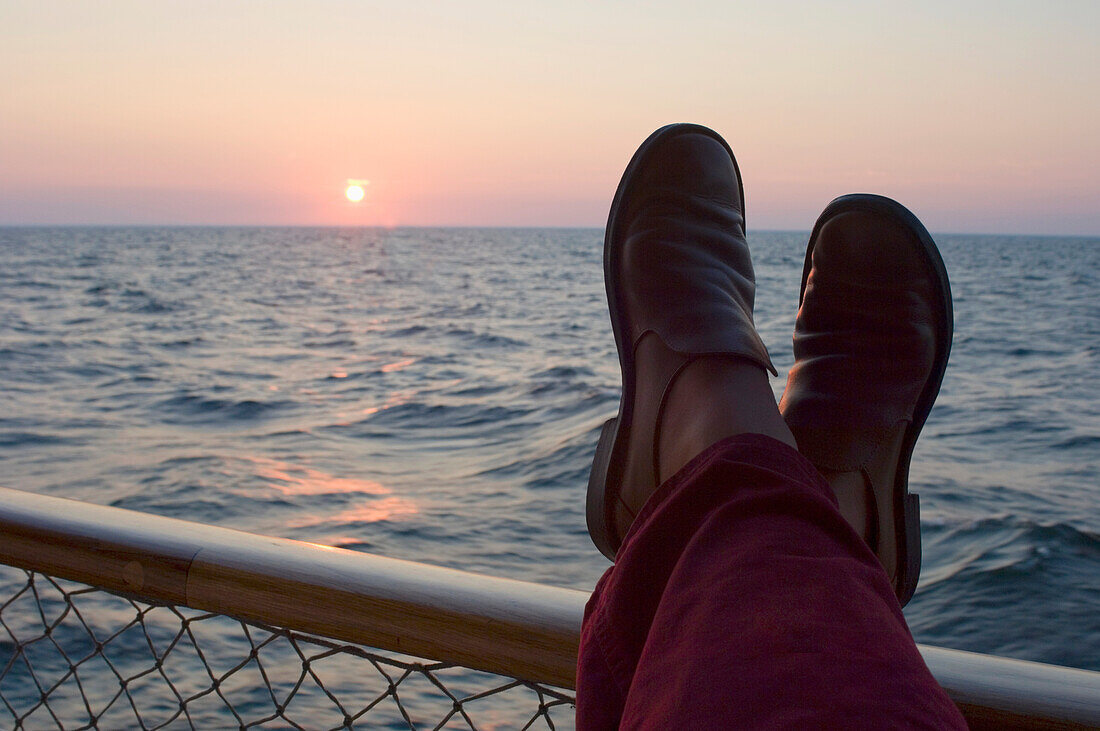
<point x="742" y="599"/>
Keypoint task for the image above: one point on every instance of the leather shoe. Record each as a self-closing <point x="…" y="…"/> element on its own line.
<point x="871" y="342"/>
<point x="676" y="265"/>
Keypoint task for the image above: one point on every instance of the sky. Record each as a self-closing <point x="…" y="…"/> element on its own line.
<point x="981" y="116"/>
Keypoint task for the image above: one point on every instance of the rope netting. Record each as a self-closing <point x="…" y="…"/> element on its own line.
<point x="76" y="657"/>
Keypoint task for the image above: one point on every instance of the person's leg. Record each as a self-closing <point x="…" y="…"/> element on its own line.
<point x="741" y="598"/>
<point x="740" y="595"/>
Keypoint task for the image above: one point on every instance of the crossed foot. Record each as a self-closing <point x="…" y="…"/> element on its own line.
<point x="871" y="342"/>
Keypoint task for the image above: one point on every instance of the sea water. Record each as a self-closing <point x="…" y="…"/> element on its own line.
<point x="436" y="395"/>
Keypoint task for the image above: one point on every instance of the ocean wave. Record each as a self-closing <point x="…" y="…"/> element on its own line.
<point x="449" y="312"/>
<point x="33" y="439"/>
<point x="406" y="332"/>
<point x="479" y="390"/>
<point x="1007" y="543"/>
<point x="558" y="373"/>
<point x="34" y="284"/>
<point x="182" y="343"/>
<point x="561" y="465"/>
<point x="417" y="415"/>
<point x="1012" y="586"/>
<point x="484" y="339"/>
<point x="347" y="343"/>
<point x="1076" y="442"/>
<point x="192" y="408"/>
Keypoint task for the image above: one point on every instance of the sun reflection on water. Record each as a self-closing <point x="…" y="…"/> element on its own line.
<point x="376" y="503"/>
<point x="399" y="365"/>
<point x="292" y="479"/>
<point x="387" y="508"/>
<point x="397" y="398"/>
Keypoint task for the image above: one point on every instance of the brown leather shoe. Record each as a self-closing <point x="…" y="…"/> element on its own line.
<point x="676" y="264"/>
<point x="871" y="343"/>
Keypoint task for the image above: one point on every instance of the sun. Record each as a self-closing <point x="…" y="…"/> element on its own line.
<point x="356" y="189"/>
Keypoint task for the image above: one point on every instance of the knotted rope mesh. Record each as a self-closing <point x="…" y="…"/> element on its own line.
<point x="76" y="657"/>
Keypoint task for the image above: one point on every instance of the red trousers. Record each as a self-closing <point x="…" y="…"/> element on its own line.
<point x="741" y="598"/>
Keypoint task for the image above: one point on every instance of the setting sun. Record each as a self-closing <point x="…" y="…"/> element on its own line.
<point x="356" y="189"/>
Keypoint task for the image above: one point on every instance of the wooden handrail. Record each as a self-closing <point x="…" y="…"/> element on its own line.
<point x="504" y="626"/>
<point x="514" y="628"/>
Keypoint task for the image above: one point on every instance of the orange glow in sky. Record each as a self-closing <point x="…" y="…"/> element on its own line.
<point x="489" y="113"/>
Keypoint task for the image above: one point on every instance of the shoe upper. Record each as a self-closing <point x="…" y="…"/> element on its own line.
<point x="871" y="342"/>
<point x="676" y="264"/>
<point x="683" y="268"/>
<point x="864" y="341"/>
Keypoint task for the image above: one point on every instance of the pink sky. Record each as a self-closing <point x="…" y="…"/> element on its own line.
<point x="980" y="118"/>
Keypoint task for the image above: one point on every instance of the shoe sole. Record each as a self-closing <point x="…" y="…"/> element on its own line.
<point x="605" y="479"/>
<point x="906" y="506"/>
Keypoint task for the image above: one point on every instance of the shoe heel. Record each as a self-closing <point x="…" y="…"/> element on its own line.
<point x="596" y="503"/>
<point x="911" y="571"/>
